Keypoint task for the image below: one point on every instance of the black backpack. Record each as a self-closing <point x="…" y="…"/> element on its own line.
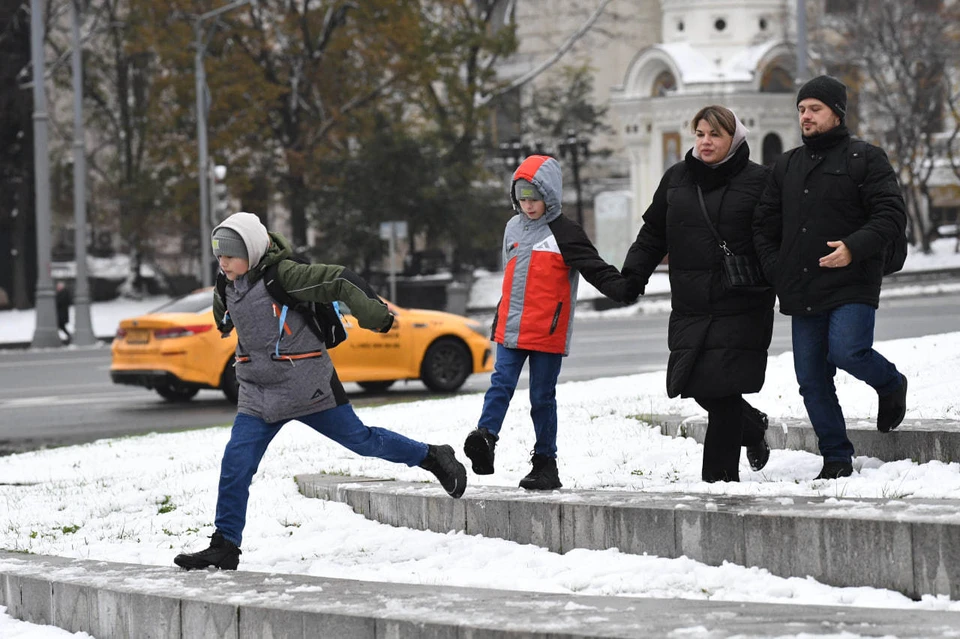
<point x="323" y="319"/>
<point x="894" y="253"/>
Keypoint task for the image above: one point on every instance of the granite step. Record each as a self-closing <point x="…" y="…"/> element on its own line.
<point x="918" y="440"/>
<point x="122" y="601"/>
<point x="908" y="545"/>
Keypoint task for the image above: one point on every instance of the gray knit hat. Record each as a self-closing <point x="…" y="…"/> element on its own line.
<point x="524" y="190"/>
<point x="228" y="242"/>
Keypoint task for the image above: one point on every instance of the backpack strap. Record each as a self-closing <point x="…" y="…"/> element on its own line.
<point x="226" y="326"/>
<point x="287" y="301"/>
<point x="857" y="166"/>
<point x="857" y="161"/>
<point x="780" y="166"/>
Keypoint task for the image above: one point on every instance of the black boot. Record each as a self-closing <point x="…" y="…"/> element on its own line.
<point x="893" y="407"/>
<point x="479" y="447"/>
<point x="759" y="454"/>
<point x="221" y="554"/>
<point x="543" y="476"/>
<point x="835" y="470"/>
<point x="441" y="461"/>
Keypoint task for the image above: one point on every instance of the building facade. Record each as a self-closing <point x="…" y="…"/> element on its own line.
<point x="736" y="53"/>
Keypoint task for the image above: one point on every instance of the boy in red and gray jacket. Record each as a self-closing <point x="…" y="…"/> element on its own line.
<point x="544" y="254"/>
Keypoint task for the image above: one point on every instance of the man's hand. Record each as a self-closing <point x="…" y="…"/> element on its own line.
<point x="839" y="258"/>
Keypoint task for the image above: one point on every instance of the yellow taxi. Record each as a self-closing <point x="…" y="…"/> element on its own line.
<point x="176" y="350"/>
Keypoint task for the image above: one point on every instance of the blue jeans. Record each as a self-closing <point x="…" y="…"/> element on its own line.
<point x="822" y="343"/>
<point x="251" y="436"/>
<point x="544" y="371"/>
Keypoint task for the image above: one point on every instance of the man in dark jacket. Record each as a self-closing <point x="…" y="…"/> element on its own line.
<point x="820" y="235"/>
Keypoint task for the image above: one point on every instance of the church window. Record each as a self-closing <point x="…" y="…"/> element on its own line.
<point x="664" y="84"/>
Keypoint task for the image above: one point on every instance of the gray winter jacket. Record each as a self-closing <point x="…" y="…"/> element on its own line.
<point x="284" y="370"/>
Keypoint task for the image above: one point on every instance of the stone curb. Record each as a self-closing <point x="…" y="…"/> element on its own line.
<point x="911" y="546"/>
<point x="119" y="601"/>
<point x="918" y="440"/>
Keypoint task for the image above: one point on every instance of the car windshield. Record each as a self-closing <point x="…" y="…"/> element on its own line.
<point x="193" y="303"/>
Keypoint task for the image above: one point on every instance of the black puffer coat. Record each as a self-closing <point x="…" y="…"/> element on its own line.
<point x="718" y="340"/>
<point x="816" y="201"/>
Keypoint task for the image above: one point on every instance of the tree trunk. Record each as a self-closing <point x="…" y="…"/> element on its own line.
<point x="298" y="200"/>
<point x="25" y="242"/>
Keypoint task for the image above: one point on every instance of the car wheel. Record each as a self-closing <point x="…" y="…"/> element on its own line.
<point x="173" y="393"/>
<point x="376" y="387"/>
<point x="228" y="382"/>
<point x="446" y="365"/>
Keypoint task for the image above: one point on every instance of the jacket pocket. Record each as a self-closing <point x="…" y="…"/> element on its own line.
<point x="285" y="357"/>
<point x="556" y="317"/>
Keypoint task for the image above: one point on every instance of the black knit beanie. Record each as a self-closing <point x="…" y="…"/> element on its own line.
<point x="828" y="90"/>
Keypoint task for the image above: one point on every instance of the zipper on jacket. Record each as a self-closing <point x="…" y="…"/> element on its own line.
<point x="291" y="357"/>
<point x="556" y="318"/>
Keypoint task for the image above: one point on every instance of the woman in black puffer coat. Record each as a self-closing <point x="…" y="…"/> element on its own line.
<point x="718" y="339"/>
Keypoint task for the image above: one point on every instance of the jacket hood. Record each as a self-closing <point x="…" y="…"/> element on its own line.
<point x="253" y="232"/>
<point x="279" y="250"/>
<point x="544" y="173"/>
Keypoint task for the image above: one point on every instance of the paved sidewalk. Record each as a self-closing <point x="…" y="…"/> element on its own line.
<point x="120" y="601"/>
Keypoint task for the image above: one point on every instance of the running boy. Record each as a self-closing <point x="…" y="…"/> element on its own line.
<point x="285" y="373"/>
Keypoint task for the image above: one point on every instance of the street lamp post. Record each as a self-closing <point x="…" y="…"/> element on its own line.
<point x="206" y="252"/>
<point x="574" y="146"/>
<point x="82" y="326"/>
<point x="45" y="333"/>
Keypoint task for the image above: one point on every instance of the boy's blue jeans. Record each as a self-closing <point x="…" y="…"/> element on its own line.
<point x="822" y="343"/>
<point x="251" y="436"/>
<point x="544" y="371"/>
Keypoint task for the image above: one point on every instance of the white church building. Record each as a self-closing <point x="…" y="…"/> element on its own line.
<point x="736" y="53"/>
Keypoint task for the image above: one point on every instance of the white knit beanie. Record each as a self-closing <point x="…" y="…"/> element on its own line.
<point x="253" y="232"/>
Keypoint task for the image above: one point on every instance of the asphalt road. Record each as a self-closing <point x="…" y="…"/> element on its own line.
<point x="58" y="397"/>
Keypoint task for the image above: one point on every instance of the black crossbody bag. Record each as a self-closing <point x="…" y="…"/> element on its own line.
<point x="741" y="273"/>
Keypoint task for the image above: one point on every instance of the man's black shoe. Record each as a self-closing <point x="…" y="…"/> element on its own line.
<point x="479" y="447"/>
<point x="893" y="407"/>
<point x="543" y="476"/>
<point x="759" y="454"/>
<point x="442" y="462"/>
<point x="221" y="554"/>
<point x="835" y="470"/>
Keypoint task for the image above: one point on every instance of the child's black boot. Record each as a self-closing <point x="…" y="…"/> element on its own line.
<point x="221" y="554"/>
<point x="479" y="447"/>
<point x="543" y="476"/>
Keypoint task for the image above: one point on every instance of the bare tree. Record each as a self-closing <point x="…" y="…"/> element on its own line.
<point x="895" y="54"/>
<point x="952" y="91"/>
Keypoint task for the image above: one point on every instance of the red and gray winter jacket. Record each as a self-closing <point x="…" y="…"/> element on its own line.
<point x="543" y="259"/>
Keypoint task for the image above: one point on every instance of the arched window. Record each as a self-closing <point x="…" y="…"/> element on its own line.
<point x="664" y="84"/>
<point x="776" y="80"/>
<point x="772" y="148"/>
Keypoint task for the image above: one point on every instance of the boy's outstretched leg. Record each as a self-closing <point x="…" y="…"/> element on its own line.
<point x="221" y="554"/>
<point x="442" y="462"/>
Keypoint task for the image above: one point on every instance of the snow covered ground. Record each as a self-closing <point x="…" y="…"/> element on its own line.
<point x="145" y="499"/>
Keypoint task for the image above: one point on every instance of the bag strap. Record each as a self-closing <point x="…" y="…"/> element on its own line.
<point x="706" y="216"/>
